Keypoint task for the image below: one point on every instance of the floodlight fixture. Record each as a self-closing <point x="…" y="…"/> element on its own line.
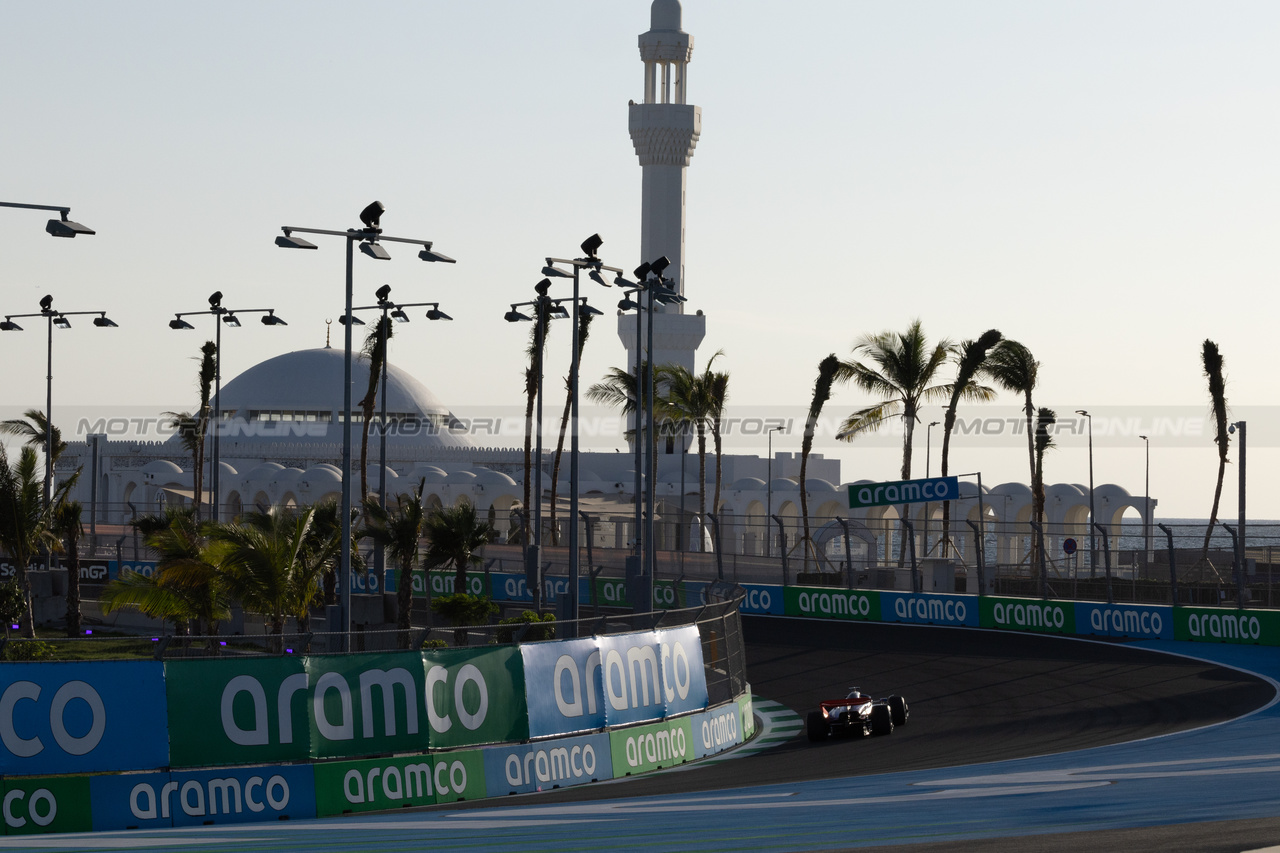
<point x="104" y="322"/>
<point x="641" y="272"/>
<point x="433" y="257"/>
<point x="9" y="326"/>
<point x="588" y="309"/>
<point x="180" y="323"/>
<point x="619" y="281"/>
<point x="215" y="300"/>
<point x="437" y="314"/>
<point x="399" y="316"/>
<point x="542" y="287"/>
<point x="270" y="319"/>
<point x="595" y="276"/>
<point x="231" y="320"/>
<point x="288" y="241"/>
<point x="383" y="292"/>
<point x="659" y="266"/>
<point x="46" y="304"/>
<point x="625" y="304"/>
<point x="554" y="271"/>
<point x="558" y="310"/>
<point x="355" y="321"/>
<point x="374" y="251"/>
<point x="591" y="245"/>
<point x="514" y="316"/>
<point x="62" y="322"/>
<point x="371" y="216"/>
<point x="66" y="228"/>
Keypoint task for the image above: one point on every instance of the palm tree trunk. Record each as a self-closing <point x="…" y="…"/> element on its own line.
<point x="73" y="589"/>
<point x="24" y="583"/>
<point x="806" y="444"/>
<point x="702" y="484"/>
<point x="404" y="601"/>
<point x="948" y="423"/>
<point x="715" y="441"/>
<point x="1213" y="513"/>
<point x="555" y="466"/>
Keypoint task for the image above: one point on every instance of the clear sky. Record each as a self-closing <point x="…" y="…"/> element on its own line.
<point x="1096" y="179"/>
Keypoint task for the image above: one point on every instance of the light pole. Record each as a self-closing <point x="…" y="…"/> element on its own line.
<point x="545" y="310"/>
<point x="61" y="227"/>
<point x="1146" y="503"/>
<point x="768" y="538"/>
<point x="928" y="445"/>
<point x="52" y="318"/>
<point x="595" y="268"/>
<point x="390" y="311"/>
<point x="1093" y="553"/>
<point x="370" y="239"/>
<point x="220" y="315"/>
<point x="1240" y="546"/>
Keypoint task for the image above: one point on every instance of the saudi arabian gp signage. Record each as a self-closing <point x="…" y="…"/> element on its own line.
<point x="903" y="492"/>
<point x="82" y="717"/>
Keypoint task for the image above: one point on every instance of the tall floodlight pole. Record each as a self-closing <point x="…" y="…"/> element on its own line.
<point x="768" y="537"/>
<point x="60" y="227"/>
<point x="230" y="317"/>
<point x="391" y="311"/>
<point x="52" y="318"/>
<point x="637" y="290"/>
<point x="370" y="238"/>
<point x="1093" y="518"/>
<point x="595" y="268"/>
<point x="1146" y="502"/>
<point x="1240" y="544"/>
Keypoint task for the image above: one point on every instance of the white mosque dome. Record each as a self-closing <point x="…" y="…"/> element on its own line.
<point x="297" y="398"/>
<point x="665" y="15"/>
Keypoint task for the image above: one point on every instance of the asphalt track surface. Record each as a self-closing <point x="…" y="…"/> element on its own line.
<point x="976" y="697"/>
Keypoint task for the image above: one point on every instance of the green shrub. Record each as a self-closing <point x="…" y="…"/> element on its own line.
<point x="434" y="644"/>
<point x="12" y="604"/>
<point x="24" y="650"/>
<point x="540" y="631"/>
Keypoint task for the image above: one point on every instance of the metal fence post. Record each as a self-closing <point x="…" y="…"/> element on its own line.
<point x="782" y="537"/>
<point x="980" y="548"/>
<point x="1173" y="566"/>
<point x="1106" y="553"/>
<point x="1044" y="569"/>
<point x="916" y="585"/>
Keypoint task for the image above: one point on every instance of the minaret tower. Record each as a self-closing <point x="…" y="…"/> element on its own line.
<point x="664" y="130"/>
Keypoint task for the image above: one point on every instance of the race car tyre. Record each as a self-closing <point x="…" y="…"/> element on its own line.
<point x="901" y="712"/>
<point x="818" y="726"/>
<point x="881" y="720"/>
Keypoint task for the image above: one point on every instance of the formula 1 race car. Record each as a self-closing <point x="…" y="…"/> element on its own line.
<point x="857" y="715"/>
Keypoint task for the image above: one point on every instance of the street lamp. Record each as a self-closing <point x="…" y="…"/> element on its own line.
<point x="390" y="311"/>
<point x="928" y="445"/>
<point x="1240" y="546"/>
<point x="61" y="227"/>
<point x="1093" y="519"/>
<point x="768" y="538"/>
<point x="52" y="318"/>
<point x="1146" y="503"/>
<point x="221" y="315"/>
<point x="592" y="263"/>
<point x="370" y="235"/>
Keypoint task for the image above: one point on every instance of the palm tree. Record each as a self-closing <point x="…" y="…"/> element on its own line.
<point x="26" y="522"/>
<point x="1012" y="366"/>
<point x="1212" y="360"/>
<point x="584" y="332"/>
<point x="902" y="369"/>
<point x="375" y="352"/>
<point x="67" y="526"/>
<point x="187" y="587"/>
<point x="324" y="544"/>
<point x="194" y="428"/>
<point x="686" y="400"/>
<point x="32" y="428"/>
<point x="827" y="369"/>
<point x="971" y="359"/>
<point x="399" y="531"/>
<point x="717" y="384"/>
<point x="1045" y="420"/>
<point x="259" y="563"/>
<point x="455" y="536"/>
<point x="532" y="375"/>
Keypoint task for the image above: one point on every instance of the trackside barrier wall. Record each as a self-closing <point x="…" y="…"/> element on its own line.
<point x="275" y="738"/>
<point x="1042" y="616"/>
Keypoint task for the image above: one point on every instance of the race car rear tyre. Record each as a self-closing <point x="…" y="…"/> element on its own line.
<point x="881" y="720"/>
<point x="901" y="713"/>
<point x="818" y="726"/>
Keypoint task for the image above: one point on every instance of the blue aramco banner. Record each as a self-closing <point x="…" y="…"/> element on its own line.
<point x="929" y="608"/>
<point x="716" y="730"/>
<point x="652" y="675"/>
<point x="83" y="717"/>
<point x="196" y="798"/>
<point x="563" y="687"/>
<point x="1124" y="620"/>
<point x="523" y="768"/>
